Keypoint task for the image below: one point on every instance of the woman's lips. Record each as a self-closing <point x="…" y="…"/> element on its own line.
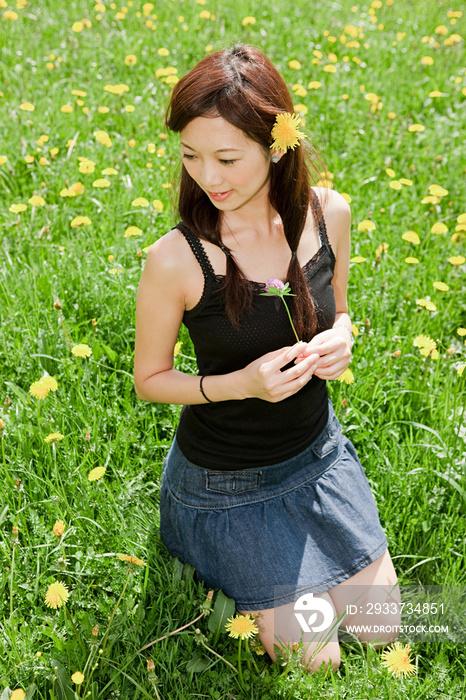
<point x="219" y="196"/>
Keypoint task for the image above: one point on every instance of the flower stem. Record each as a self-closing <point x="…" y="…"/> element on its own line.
<point x="219" y="655"/>
<point x="289" y="316"/>
<point x="240" y="672"/>
<point x="392" y="688"/>
<point x="104" y="644"/>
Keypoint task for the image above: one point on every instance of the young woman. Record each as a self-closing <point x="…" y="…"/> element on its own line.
<point x="261" y="493"/>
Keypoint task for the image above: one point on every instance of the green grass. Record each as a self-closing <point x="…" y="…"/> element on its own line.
<point x="403" y="412"/>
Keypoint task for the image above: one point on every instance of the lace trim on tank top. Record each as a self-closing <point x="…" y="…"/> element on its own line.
<point x="309" y="268"/>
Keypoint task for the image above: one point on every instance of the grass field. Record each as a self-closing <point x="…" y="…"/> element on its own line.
<point x="87" y="177"/>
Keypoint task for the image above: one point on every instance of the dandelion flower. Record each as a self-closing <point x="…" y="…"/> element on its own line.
<point x="314" y="85"/>
<point x="358" y="259"/>
<point x="395" y="185"/>
<point x="157" y="204"/>
<point x="77" y="187"/>
<point x="131" y="60"/>
<point x="36" y="201"/>
<point x="177" y="348"/>
<point x="366" y="225"/>
<point x="10" y="14"/>
<point x="411" y="237"/>
<point x="140" y="202"/>
<point x="441" y="286"/>
<point x="425" y="344"/>
<point x="77" y="677"/>
<point x="427" y="304"/>
<point x="285" y="132"/>
<point x="86" y="167"/>
<point x="27" y="107"/>
<point x="53" y="438"/>
<point x="437" y="190"/>
<point x="3" y="160"/>
<point x="460" y="370"/>
<point x="81" y="350"/>
<point x="439" y="227"/>
<point x="397" y="660"/>
<point x="59" y="528"/>
<point x="241" y="627"/>
<point x="248" y="20"/>
<point x="109" y="171"/>
<point x="295" y="65"/>
<point x="411" y="261"/>
<point x="80" y="221"/>
<point x="165" y="52"/>
<point x="405" y="181"/>
<point x="457" y="260"/>
<point x="43" y="386"/>
<point x="101" y="182"/>
<point x="17" y="208"/>
<point x="427" y="61"/>
<point x="103" y="138"/>
<point x="347" y="376"/>
<point x="116" y="89"/>
<point x="132" y="231"/>
<point x="57" y="594"/>
<point x="18" y="694"/>
<point x="96" y="473"/>
<point x="416" y="127"/>
<point x="131" y="560"/>
<point x="461" y="331"/>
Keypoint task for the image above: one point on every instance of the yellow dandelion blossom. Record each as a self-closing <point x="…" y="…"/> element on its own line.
<point x="81" y="350"/>
<point x="457" y="260"/>
<point x="382" y="248"/>
<point x="96" y="473"/>
<point x="329" y="68"/>
<point x="57" y="594"/>
<point x="430" y="199"/>
<point x="53" y="438"/>
<point x="241" y="627"/>
<point x="27" y="107"/>
<point x="314" y="85"/>
<point x="427" y="304"/>
<point x="411" y="261"/>
<point x="66" y="109"/>
<point x="86" y="167"/>
<point x="285" y="132"/>
<point x="77" y="678"/>
<point x="77" y="188"/>
<point x="103" y="138"/>
<point x="416" y="127"/>
<point x="366" y="225"/>
<point x="248" y="20"/>
<point x="461" y="219"/>
<point x="461" y="332"/>
<point x="437" y="190"/>
<point x="165" y="52"/>
<point x="43" y="386"/>
<point x="140" y="202"/>
<point x="300" y="108"/>
<point x="397" y="660"/>
<point x="346" y="196"/>
<point x="406" y="181"/>
<point x="77" y="27"/>
<point x="59" y="528"/>
<point x="177" y="348"/>
<point x="299" y="90"/>
<point x="3" y="160"/>
<point x="132" y="231"/>
<point x="101" y="183"/>
<point x="441" y="286"/>
<point x="18" y="694"/>
<point x="347" y="376"/>
<point x="17" y="208"/>
<point x="411" y="237"/>
<point x="36" y="201"/>
<point x="79" y="93"/>
<point x="119" y="89"/>
<point x="439" y="227"/>
<point x="294" y="65"/>
<point x="109" y="171"/>
<point x="441" y="29"/>
<point x="131" y="560"/>
<point x="425" y="344"/>
<point x="80" y="221"/>
<point x="395" y="184"/>
<point x="427" y="61"/>
<point x="131" y="59"/>
<point x="358" y="259"/>
<point x="10" y="14"/>
<point x="390" y="172"/>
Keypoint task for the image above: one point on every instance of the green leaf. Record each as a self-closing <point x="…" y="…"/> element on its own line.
<point x="63" y="688"/>
<point x="224" y="608"/>
<point x="198" y="662"/>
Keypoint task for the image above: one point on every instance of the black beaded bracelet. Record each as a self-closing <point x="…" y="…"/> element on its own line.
<point x="203" y="392"/>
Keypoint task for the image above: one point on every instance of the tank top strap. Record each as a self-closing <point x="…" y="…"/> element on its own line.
<point x="315" y="203"/>
<point x="198" y="250"/>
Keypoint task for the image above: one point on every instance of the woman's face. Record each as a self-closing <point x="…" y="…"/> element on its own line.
<point x="232" y="169"/>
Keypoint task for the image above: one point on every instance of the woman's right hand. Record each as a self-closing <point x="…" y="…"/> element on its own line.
<point x="263" y="378"/>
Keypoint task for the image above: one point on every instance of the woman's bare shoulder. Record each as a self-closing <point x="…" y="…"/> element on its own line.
<point x="337" y="217"/>
<point x="332" y="202"/>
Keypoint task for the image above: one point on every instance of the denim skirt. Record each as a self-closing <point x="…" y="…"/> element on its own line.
<point x="268" y="535"/>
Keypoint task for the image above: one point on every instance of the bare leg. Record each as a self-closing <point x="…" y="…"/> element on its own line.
<point x="370" y="599"/>
<point x="279" y="626"/>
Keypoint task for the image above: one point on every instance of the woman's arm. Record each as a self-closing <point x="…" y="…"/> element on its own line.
<point x="161" y="301"/>
<point x="334" y="345"/>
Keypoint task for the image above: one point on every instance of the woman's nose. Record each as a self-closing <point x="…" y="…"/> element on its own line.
<point x="210" y="176"/>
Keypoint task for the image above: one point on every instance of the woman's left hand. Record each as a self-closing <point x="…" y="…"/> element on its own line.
<point x="334" y="349"/>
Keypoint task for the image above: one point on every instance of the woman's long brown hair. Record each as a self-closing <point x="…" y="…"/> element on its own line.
<point x="243" y="87"/>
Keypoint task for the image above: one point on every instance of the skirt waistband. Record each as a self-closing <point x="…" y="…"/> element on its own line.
<point x="198" y="487"/>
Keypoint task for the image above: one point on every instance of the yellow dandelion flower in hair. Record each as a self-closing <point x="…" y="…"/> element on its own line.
<point x="96" y="473"/>
<point x="347" y="376"/>
<point x="57" y="594"/>
<point x="77" y="677"/>
<point x="397" y="660"/>
<point x="241" y="627"/>
<point x="131" y="560"/>
<point x="285" y="132"/>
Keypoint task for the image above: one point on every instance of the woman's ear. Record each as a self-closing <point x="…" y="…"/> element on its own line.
<point x="276" y="155"/>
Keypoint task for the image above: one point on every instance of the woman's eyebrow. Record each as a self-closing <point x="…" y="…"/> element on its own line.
<point x="219" y="150"/>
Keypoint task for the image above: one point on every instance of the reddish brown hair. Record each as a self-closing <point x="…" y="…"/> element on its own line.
<point x="243" y="87"/>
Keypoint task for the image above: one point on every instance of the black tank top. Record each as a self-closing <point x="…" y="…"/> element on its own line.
<point x="231" y="435"/>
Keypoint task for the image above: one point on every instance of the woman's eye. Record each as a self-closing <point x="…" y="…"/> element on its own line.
<point x="227" y="162"/>
<point x="187" y="156"/>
